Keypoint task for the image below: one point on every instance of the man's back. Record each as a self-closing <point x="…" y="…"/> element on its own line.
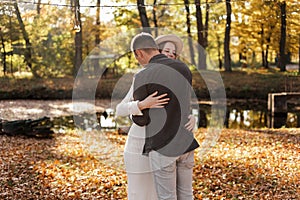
<point x="165" y="129"/>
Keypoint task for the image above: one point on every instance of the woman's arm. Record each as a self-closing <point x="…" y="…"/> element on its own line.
<point x="153" y="101"/>
<point x="129" y="107"/>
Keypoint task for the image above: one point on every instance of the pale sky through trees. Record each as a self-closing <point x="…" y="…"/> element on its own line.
<point x="89" y="5"/>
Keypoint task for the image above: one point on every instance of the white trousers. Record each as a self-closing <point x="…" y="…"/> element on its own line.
<point x="140" y="184"/>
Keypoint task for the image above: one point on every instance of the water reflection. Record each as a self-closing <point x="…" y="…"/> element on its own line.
<point x="257" y="119"/>
<point x="238" y="116"/>
<point x="247" y="117"/>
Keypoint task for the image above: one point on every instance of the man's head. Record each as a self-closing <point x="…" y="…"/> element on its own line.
<point x="144" y="47"/>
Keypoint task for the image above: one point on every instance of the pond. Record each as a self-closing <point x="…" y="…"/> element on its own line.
<point x="241" y="114"/>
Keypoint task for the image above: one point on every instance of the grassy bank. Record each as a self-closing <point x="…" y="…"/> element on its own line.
<point x="240" y="84"/>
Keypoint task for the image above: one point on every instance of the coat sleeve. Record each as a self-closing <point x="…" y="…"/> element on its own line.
<point x="128" y="106"/>
<point x="140" y="93"/>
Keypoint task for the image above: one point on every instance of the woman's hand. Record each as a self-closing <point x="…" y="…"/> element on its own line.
<point x="190" y="125"/>
<point x="153" y="101"/>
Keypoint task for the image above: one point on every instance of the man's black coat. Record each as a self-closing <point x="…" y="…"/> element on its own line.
<point x="165" y="131"/>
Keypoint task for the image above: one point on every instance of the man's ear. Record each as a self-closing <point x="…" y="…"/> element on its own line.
<point x="139" y="53"/>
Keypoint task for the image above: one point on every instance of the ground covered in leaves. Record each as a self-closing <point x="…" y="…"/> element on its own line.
<point x="244" y="164"/>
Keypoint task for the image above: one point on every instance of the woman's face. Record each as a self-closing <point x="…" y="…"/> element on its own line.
<point x="169" y="50"/>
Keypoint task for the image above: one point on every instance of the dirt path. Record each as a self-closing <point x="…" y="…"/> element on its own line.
<point x="33" y="109"/>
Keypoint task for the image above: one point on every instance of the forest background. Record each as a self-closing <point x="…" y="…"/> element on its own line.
<point x="44" y="40"/>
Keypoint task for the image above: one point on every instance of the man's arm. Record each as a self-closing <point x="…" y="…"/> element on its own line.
<point x="140" y="93"/>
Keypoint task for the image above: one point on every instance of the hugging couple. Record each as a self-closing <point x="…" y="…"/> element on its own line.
<point x="159" y="151"/>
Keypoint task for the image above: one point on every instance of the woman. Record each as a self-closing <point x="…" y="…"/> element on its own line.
<point x="139" y="176"/>
<point x="170" y="45"/>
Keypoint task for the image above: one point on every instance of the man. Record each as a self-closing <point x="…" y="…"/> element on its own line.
<point x="168" y="143"/>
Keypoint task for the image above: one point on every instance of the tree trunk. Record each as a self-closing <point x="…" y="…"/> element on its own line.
<point x="206" y="25"/>
<point x="97" y="36"/>
<point x="299" y="57"/>
<point x="227" y="62"/>
<point x="33" y="128"/>
<point x="96" y="65"/>
<point x="38" y="7"/>
<point x="27" y="53"/>
<point x="155" y="18"/>
<point x="143" y="16"/>
<point x="11" y="39"/>
<point x="78" y="39"/>
<point x="219" y="52"/>
<point x="266" y="56"/>
<point x="268" y="47"/>
<point x="200" y="34"/>
<point x="282" y="58"/>
<point x="263" y="58"/>
<point x="4" y="52"/>
<point x="188" y="25"/>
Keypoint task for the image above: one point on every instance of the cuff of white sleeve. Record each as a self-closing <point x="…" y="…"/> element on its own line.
<point x="135" y="108"/>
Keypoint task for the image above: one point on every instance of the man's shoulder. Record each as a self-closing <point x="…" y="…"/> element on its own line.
<point x="164" y="65"/>
<point x="179" y="62"/>
<point x="151" y="67"/>
<point x="139" y="72"/>
<point x="145" y="74"/>
<point x="181" y="66"/>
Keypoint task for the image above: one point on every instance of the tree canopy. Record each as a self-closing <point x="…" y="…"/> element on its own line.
<point x="53" y="39"/>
